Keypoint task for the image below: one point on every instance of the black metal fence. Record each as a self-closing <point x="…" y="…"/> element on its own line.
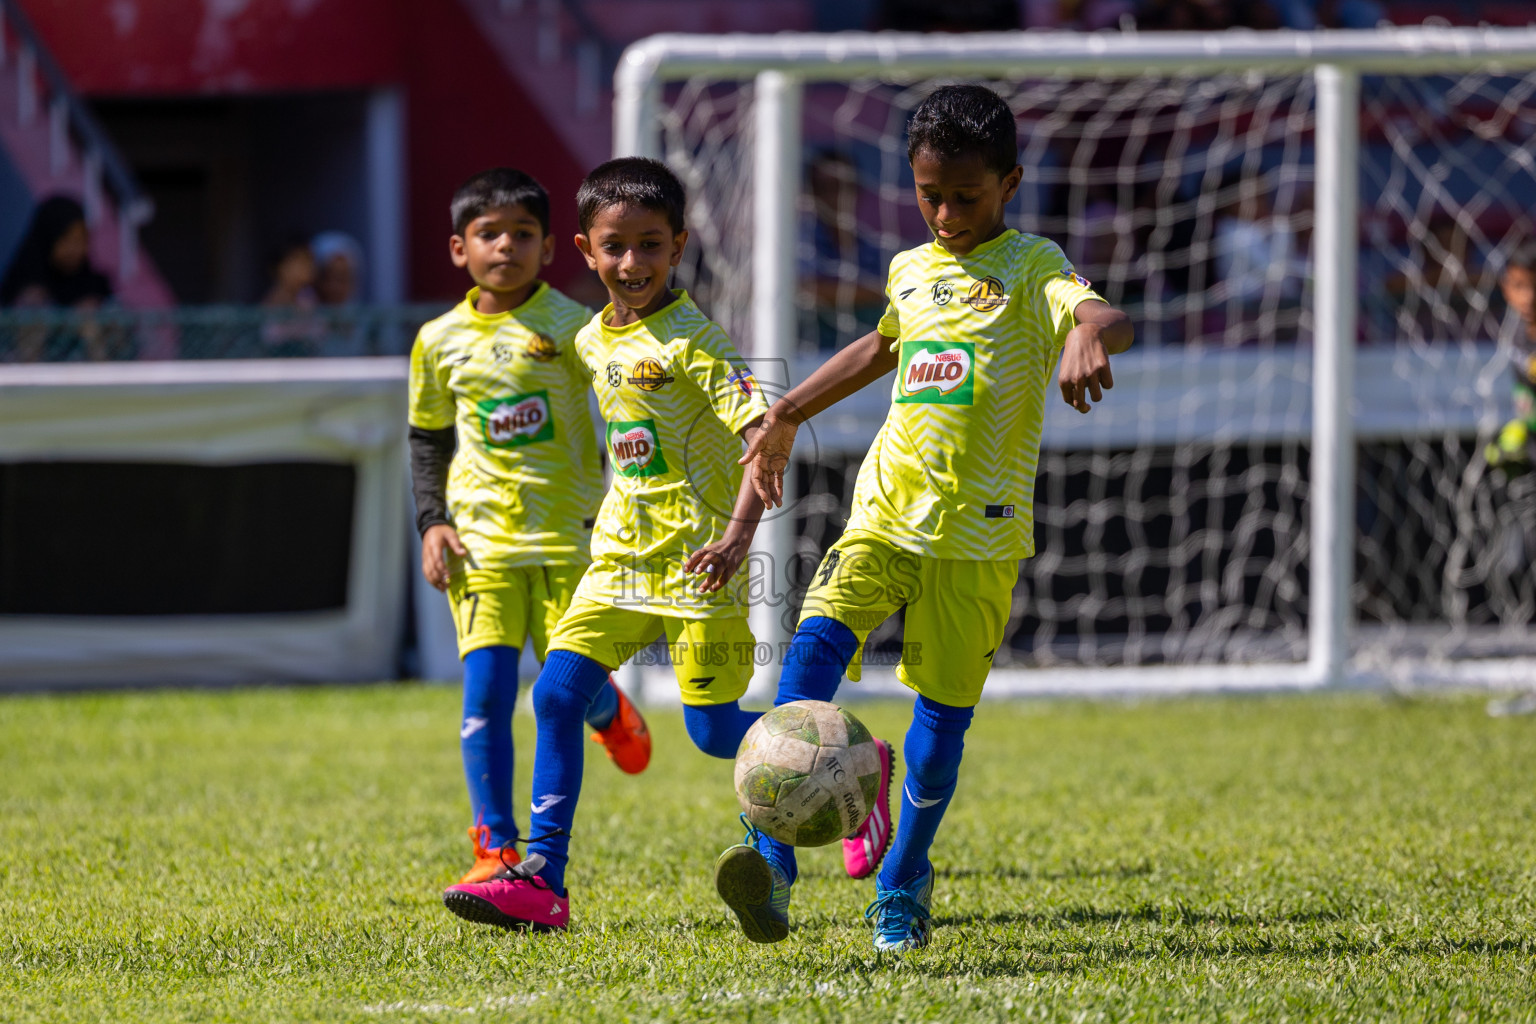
<point x="208" y="332"/>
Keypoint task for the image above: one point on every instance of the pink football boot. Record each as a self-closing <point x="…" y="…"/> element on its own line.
<point x="515" y="898"/>
<point x="862" y="850"/>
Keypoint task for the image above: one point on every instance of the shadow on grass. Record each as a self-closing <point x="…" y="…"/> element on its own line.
<point x="1150" y="913"/>
<point x="946" y="961"/>
<point x="1008" y="872"/>
<point x="1018" y="873"/>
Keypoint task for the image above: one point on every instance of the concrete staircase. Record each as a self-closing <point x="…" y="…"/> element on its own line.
<point x="56" y="146"/>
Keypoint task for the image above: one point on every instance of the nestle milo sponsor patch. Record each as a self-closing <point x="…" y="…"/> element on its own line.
<point x="516" y="420"/>
<point x="635" y="448"/>
<point x="937" y="372"/>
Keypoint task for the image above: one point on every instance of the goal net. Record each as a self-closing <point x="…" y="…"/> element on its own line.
<point x="1174" y="525"/>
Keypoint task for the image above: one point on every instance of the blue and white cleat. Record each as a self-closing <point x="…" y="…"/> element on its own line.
<point x="755" y="890"/>
<point x="902" y="919"/>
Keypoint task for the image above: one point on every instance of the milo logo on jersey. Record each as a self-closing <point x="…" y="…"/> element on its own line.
<point x="635" y="449"/>
<point x="937" y="372"/>
<point x="516" y="421"/>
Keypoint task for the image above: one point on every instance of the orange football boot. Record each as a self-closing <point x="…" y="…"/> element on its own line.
<point x="626" y="739"/>
<point x="487" y="861"/>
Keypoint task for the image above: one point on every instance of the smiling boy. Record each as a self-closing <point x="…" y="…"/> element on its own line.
<point x="505" y="520"/>
<point x="943" y="506"/>
<point x="675" y="526"/>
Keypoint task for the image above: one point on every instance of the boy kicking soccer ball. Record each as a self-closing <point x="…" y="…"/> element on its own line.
<point x="506" y="521"/>
<point x="673" y="530"/>
<point x="942" y="509"/>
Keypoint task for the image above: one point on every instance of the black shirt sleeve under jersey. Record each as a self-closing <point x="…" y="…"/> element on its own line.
<point x="431" y="452"/>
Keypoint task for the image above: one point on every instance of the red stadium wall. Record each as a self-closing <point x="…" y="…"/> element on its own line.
<point x="155" y="47"/>
<point x="463" y="111"/>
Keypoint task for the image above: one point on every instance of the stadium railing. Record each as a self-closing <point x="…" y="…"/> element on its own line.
<point x="208" y="332"/>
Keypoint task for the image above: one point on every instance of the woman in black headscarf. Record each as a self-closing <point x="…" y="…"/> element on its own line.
<point x="52" y="268"/>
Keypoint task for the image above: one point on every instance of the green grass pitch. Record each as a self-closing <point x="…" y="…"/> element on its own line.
<point x="277" y="855"/>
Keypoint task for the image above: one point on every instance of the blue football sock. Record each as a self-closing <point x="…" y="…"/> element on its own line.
<point x="604" y="706"/>
<point x="816" y="660"/>
<point x="934" y="745"/>
<point x="717" y="729"/>
<point x="485" y="738"/>
<point x="561" y="696"/>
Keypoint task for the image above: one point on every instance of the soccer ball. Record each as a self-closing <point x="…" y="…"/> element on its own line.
<point x="807" y="773"/>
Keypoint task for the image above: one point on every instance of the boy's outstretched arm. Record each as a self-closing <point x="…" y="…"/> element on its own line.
<point x="720" y="560"/>
<point x="858" y="365"/>
<point x="1101" y="331"/>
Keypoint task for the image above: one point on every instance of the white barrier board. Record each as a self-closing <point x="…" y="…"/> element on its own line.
<point x="221" y="413"/>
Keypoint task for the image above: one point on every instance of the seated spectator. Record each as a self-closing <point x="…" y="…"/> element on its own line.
<point x="338" y="281"/>
<point x="292" y="330"/>
<point x="52" y="269"/>
<point x="1255" y="251"/>
<point x="1433" y="288"/>
<point x="338" y="268"/>
<point x="293" y="277"/>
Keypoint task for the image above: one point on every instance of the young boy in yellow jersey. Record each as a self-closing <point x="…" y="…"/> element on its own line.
<point x="943" y="506"/>
<point x="675" y="526"/>
<point x="506" y="521"/>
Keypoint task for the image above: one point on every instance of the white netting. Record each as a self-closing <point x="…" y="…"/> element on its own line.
<point x="1172" y="523"/>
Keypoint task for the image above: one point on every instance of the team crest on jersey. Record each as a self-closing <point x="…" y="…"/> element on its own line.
<point x="515" y="421"/>
<point x="614" y="373"/>
<point x="937" y="372"/>
<point x="635" y="449"/>
<point x="986" y="295"/>
<point x="1073" y="275"/>
<point x="943" y="291"/>
<point x="742" y="379"/>
<point x="649" y="375"/>
<point x="542" y="348"/>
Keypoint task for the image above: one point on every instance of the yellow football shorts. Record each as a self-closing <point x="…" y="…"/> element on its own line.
<point x="956" y="613"/>
<point x="713" y="659"/>
<point x="508" y="606"/>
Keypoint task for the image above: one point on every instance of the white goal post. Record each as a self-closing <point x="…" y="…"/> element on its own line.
<point x="775" y="69"/>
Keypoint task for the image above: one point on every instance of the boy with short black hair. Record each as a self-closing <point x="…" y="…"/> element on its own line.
<point x="505" y="521"/>
<point x="677" y="399"/>
<point x="942" y="510"/>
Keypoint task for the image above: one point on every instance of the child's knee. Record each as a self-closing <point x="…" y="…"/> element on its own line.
<point x="565" y="688"/>
<point x="554" y="701"/>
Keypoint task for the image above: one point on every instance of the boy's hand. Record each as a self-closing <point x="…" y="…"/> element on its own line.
<point x="767" y="455"/>
<point x="720" y="560"/>
<point x="1084" y="368"/>
<point x="434" y="563"/>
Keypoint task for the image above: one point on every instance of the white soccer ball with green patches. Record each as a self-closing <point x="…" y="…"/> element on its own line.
<point x="807" y="773"/>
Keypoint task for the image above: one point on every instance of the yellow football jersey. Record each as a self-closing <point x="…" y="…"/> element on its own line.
<point x="951" y="473"/>
<point x="526" y="480"/>
<point x="675" y="394"/>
